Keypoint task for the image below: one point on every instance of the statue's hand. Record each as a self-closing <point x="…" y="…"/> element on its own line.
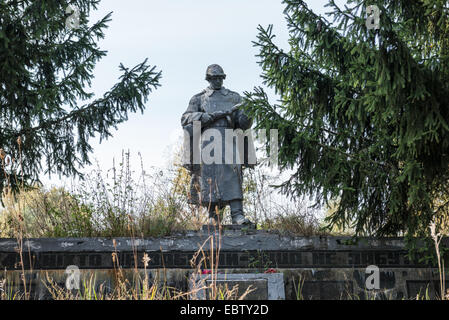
<point x="207" y="118"/>
<point x="235" y="110"/>
<point x="236" y="107"/>
<point x="219" y="114"/>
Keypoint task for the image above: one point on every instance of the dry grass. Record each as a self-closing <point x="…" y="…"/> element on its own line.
<point x="122" y="202"/>
<point x="132" y="285"/>
<point x="105" y="204"/>
<point x="437" y="237"/>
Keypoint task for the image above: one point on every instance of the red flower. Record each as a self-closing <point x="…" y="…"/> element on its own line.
<point x="271" y="270"/>
<point x="207" y="271"/>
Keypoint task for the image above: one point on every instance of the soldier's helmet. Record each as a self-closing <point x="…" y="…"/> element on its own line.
<point x="215" y="70"/>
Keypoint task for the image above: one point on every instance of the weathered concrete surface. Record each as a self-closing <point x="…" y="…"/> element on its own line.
<point x="265" y="286"/>
<point x="304" y="284"/>
<point x="190" y="241"/>
<point x="237" y="250"/>
<point x="313" y="267"/>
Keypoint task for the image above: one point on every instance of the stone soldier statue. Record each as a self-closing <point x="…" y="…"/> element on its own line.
<point x="215" y="185"/>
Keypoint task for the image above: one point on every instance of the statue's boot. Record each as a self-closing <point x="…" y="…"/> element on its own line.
<point x="237" y="213"/>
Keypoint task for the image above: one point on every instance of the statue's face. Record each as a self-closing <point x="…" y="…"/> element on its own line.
<point x="216" y="82"/>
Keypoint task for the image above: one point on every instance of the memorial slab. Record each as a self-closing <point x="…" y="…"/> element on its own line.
<point x="261" y="286"/>
<point x="323" y="267"/>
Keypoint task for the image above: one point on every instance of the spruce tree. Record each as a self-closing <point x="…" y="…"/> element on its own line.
<point x="48" y="51"/>
<point x="362" y="112"/>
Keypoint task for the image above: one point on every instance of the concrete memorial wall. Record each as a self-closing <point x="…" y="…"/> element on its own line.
<point x="311" y="267"/>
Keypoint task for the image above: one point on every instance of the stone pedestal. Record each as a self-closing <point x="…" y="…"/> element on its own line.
<point x="312" y="267"/>
<point x="227" y="227"/>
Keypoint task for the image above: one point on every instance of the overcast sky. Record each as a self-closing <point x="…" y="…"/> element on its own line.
<point x="180" y="37"/>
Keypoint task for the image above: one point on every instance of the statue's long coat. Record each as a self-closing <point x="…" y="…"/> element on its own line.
<point x="216" y="183"/>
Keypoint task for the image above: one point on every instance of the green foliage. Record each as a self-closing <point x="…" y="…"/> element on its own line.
<point x="45" y="70"/>
<point x="260" y="261"/>
<point x="293" y="223"/>
<point x="362" y="114"/>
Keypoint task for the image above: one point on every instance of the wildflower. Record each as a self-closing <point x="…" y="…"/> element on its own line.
<point x="271" y="270"/>
<point x="146" y="259"/>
